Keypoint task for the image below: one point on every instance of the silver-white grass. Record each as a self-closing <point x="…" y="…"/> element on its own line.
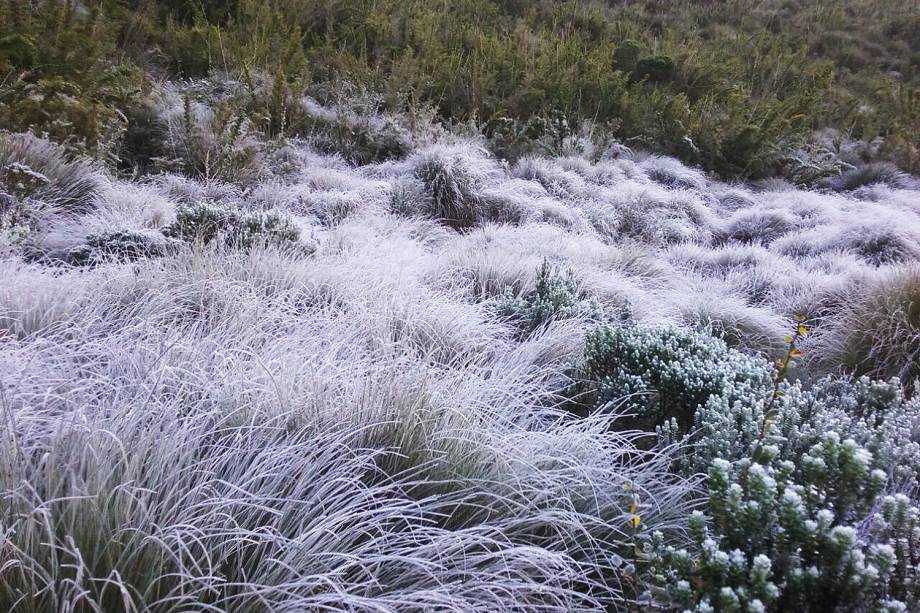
<point x="353" y="426"/>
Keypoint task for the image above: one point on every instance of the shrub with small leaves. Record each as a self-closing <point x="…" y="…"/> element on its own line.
<point x="663" y="374"/>
<point x="121" y="245"/>
<point x="207" y="221"/>
<point x="787" y="536"/>
<point x="556" y="296"/>
<point x="809" y="494"/>
<point x="803" y="511"/>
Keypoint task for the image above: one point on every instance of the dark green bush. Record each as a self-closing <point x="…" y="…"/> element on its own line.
<point x="730" y="87"/>
<point x="626" y="55"/>
<point x="657" y="69"/>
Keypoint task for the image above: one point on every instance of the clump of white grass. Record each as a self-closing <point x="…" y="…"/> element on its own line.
<point x="758" y="225"/>
<point x="869" y="174"/>
<point x="254" y="431"/>
<point x="63" y="184"/>
<point x="672" y="173"/>
<point x="876" y="330"/>
<point x="454" y="177"/>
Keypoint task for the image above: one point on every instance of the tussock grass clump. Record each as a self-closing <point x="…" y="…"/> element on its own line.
<point x="34" y="168"/>
<point x="760" y="226"/>
<point x="869" y="174"/>
<point x="672" y="173"/>
<point x="454" y="178"/>
<point x="108" y="514"/>
<point x="882" y="243"/>
<point x="877" y="330"/>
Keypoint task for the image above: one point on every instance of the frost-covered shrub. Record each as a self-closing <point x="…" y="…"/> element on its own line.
<point x="355" y="127"/>
<point x="811" y="162"/>
<point x="876" y="331"/>
<point x="207" y="221"/>
<point x="556" y="296"/>
<point x="776" y="543"/>
<point x="36" y="169"/>
<point x="803" y="511"/>
<point x="210" y="140"/>
<point x="17" y="215"/>
<point x="665" y="373"/>
<point x="873" y="413"/>
<point x="121" y="245"/>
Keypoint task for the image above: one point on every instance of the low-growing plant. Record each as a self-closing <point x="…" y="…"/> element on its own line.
<point x="664" y="374"/>
<point x="556" y="296"/>
<point x="805" y="508"/>
<point x="205" y="222"/>
<point x="781" y="537"/>
<point x="121" y="246"/>
<point x="877" y="330"/>
<point x="37" y="169"/>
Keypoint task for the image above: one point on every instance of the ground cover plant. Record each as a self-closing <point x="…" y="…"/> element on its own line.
<point x="271" y="340"/>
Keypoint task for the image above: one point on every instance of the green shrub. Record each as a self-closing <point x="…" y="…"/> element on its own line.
<point x="774" y="543"/>
<point x="663" y="375"/>
<point x="122" y="246"/>
<point x="556" y="296"/>
<point x="727" y="89"/>
<point x="626" y="55"/>
<point x="806" y="507"/>
<point x="205" y="222"/>
<point x="657" y="69"/>
<point x="354" y="125"/>
<point x="802" y="510"/>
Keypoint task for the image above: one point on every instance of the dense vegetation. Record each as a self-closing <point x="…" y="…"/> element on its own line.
<point x="737" y="87"/>
<point x="384" y="306"/>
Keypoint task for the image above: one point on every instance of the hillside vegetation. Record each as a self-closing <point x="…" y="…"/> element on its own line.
<point x="736" y="87"/>
<point x="295" y="316"/>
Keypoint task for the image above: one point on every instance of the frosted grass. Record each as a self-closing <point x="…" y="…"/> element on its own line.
<point x="353" y="427"/>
